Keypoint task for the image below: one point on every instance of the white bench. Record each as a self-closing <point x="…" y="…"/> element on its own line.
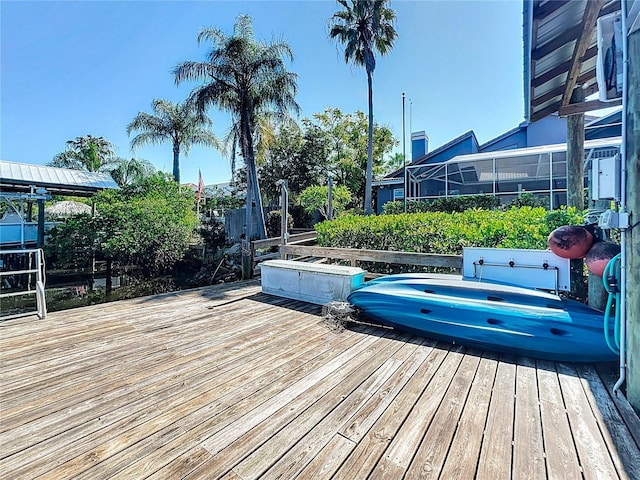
<point x="309" y="282"/>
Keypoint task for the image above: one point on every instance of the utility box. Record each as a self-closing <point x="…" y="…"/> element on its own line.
<point x="517" y="266"/>
<point x="310" y="282"/>
<point x="605" y="178"/>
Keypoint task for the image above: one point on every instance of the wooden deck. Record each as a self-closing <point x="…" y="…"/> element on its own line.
<point x="226" y="382"/>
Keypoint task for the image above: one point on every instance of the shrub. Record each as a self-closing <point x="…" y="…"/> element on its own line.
<point x="528" y="199"/>
<point x="212" y="232"/>
<point x="443" y="204"/>
<point x="273" y="223"/>
<point x="149" y="224"/>
<point x="446" y="233"/>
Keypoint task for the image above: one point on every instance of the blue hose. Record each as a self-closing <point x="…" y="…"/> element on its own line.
<point x="611" y="282"/>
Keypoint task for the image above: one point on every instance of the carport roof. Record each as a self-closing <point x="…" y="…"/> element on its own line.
<point x="21" y="177"/>
<point x="560" y="52"/>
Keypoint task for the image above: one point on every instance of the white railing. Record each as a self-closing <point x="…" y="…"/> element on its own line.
<point x="34" y="264"/>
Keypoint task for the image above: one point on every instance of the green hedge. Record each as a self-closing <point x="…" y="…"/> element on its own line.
<point x="460" y="204"/>
<point x="444" y="204"/>
<point x="447" y="233"/>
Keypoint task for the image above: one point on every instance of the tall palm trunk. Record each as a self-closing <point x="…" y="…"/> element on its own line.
<point x="176" y="163"/>
<point x="252" y="179"/>
<point x="369" y="174"/>
<point x="247" y="254"/>
<point x="253" y="193"/>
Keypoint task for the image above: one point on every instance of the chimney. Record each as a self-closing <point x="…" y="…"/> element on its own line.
<point x="419" y="144"/>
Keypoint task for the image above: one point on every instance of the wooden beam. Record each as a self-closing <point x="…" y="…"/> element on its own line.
<point x="587" y="27"/>
<point x="544" y="112"/>
<point x="576" y="108"/>
<point x="532" y="67"/>
<point x="381" y="256"/>
<point x="573" y="109"/>
<point x="550" y="95"/>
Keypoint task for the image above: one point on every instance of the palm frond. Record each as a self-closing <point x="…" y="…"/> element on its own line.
<point x="180" y="124"/>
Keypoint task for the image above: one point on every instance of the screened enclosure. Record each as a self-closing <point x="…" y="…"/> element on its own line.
<point x="541" y="171"/>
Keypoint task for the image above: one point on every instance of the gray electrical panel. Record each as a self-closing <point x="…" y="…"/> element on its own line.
<point x="605" y="178"/>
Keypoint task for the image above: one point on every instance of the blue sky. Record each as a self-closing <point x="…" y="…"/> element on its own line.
<point x="78" y="68"/>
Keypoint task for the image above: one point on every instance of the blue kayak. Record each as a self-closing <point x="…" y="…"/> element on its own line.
<point x="487" y="316"/>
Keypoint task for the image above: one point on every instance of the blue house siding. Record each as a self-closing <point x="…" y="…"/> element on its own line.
<point x="465" y="146"/>
<point x="605" y="127"/>
<point x="547" y="131"/>
<point x="385" y="194"/>
<point x="516" y="138"/>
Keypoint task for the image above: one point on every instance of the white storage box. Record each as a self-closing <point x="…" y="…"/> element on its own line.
<point x="309" y="282"/>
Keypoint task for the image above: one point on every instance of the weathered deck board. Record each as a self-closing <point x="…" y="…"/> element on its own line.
<point x="432" y="452"/>
<point x="591" y="446"/>
<point x="528" y="449"/>
<point x="555" y="426"/>
<point x="461" y="460"/>
<point x="225" y="382"/>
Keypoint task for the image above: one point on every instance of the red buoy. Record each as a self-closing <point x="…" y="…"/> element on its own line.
<point x="599" y="255"/>
<point x="570" y="241"/>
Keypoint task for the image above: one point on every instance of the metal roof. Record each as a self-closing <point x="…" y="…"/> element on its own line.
<point x="560" y="52"/>
<point x="560" y="147"/>
<point x="21" y="177"/>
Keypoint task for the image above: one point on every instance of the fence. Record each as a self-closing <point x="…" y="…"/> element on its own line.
<point x="258" y="247"/>
<point x="354" y="256"/>
<point x="234" y="222"/>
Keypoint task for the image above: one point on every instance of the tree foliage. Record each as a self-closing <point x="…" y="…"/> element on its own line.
<point x="394" y="163"/>
<point x="149" y="224"/>
<point x="365" y="27"/>
<point x="299" y="156"/>
<point x="181" y="124"/>
<point x="344" y="137"/>
<point x="249" y="79"/>
<point x="86" y="153"/>
<point x="129" y="171"/>
<point x="316" y="198"/>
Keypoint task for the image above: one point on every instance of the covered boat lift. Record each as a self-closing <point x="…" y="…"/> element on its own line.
<point x="25" y="184"/>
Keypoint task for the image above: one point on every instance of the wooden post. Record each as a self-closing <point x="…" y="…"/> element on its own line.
<point x="575" y="155"/>
<point x="247" y="258"/>
<point x="330" y="198"/>
<point x="575" y="180"/>
<point x="109" y="278"/>
<point x="284" y="212"/>
<point x="632" y="145"/>
<point x="597" y="295"/>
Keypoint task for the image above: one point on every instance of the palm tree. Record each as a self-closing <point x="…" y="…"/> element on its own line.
<point x="128" y="171"/>
<point x="248" y="79"/>
<point x="178" y="123"/>
<point x="88" y="153"/>
<point x="364" y="27"/>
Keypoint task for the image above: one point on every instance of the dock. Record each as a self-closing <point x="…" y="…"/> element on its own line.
<point x="227" y="382"/>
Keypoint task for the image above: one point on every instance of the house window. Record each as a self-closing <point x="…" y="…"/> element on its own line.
<point x="398" y="193"/>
